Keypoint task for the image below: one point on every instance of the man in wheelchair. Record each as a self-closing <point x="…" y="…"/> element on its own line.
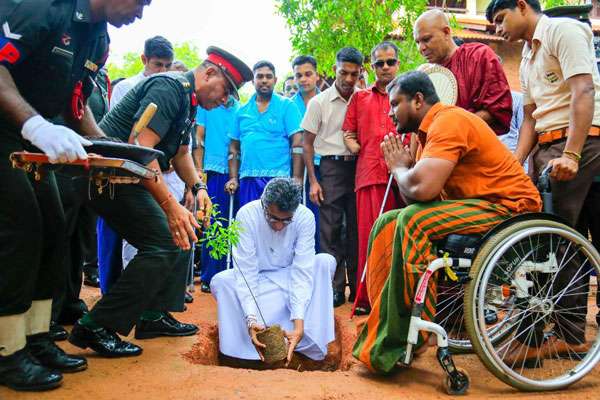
<point x="463" y="180"/>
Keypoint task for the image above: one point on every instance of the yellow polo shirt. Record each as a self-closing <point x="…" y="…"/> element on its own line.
<point x="561" y="48"/>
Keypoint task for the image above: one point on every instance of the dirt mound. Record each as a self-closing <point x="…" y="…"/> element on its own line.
<point x="206" y="349"/>
<point x="339" y="354"/>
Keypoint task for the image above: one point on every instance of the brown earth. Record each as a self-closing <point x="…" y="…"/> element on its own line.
<point x="185" y="368"/>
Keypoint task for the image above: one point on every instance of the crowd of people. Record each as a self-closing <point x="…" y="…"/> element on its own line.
<point x="306" y="172"/>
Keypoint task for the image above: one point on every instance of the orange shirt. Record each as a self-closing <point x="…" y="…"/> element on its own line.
<point x="485" y="169"/>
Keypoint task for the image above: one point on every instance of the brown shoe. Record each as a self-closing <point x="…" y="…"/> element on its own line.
<point x="558" y="348"/>
<point x="518" y="354"/>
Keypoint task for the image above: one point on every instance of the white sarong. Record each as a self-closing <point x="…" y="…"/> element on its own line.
<point x="274" y="303"/>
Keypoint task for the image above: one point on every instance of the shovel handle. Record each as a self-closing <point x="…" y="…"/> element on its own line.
<point x="144" y="120"/>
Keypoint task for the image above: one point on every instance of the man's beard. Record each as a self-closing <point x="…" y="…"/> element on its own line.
<point x="410" y="126"/>
<point x="267" y="94"/>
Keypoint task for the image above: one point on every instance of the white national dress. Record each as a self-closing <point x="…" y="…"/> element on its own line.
<point x="287" y="278"/>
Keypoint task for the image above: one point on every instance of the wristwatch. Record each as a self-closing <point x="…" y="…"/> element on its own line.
<point x="197" y="187"/>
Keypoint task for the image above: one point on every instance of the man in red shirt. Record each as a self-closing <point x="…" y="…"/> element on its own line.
<point x="366" y="123"/>
<point x="482" y="85"/>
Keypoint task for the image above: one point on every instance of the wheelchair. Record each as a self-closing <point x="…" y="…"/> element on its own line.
<point x="529" y="283"/>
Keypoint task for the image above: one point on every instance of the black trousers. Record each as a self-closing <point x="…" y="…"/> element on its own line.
<point x="32" y="233"/>
<point x="337" y="182"/>
<point x="569" y="200"/>
<point x="80" y="244"/>
<point x="155" y="279"/>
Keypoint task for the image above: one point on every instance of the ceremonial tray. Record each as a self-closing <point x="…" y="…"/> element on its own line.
<point x="444" y="82"/>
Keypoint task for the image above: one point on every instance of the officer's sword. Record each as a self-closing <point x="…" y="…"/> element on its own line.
<point x="144" y="120"/>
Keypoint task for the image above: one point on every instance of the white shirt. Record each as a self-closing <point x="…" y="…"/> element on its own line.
<point x="287" y="255"/>
<point x="561" y="48"/>
<point x="123" y="87"/>
<point x="324" y="117"/>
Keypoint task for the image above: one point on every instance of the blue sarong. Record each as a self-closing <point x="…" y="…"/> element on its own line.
<point x="251" y="189"/>
<point x="110" y="263"/>
<point x="216" y="184"/>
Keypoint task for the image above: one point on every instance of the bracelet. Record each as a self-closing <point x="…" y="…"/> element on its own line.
<point x="162" y="203"/>
<point x="251" y="320"/>
<point x="572" y="155"/>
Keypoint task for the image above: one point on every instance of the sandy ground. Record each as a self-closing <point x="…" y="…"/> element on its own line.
<point x="169" y="369"/>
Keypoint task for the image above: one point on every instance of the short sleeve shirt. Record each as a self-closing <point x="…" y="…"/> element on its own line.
<point x="561" y="48"/>
<point x="324" y="118"/>
<point x="218" y="124"/>
<point x="171" y="121"/>
<point x="299" y="102"/>
<point x="368" y="117"/>
<point x="48" y="46"/>
<point x="484" y="168"/>
<point x="264" y="137"/>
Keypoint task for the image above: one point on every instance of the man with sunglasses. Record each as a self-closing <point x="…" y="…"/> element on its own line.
<point x="50" y="52"/>
<point x="276" y="279"/>
<point x="366" y="124"/>
<point x="482" y="85"/>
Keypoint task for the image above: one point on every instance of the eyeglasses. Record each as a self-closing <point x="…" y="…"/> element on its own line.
<point x="272" y="219"/>
<point x="390" y="63"/>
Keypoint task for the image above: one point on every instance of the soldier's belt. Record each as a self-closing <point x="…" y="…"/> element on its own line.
<point x="557" y="134"/>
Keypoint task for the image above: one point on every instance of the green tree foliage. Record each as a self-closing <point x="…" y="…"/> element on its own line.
<point x="320" y="28"/>
<point x="555" y="3"/>
<point x="131" y="64"/>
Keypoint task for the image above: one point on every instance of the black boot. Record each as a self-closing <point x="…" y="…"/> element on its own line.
<point x="166" y="325"/>
<point x="57" y="332"/>
<point x="52" y="356"/>
<point x="90" y="276"/>
<point x="21" y="371"/>
<point x="204" y="287"/>
<point x="102" y="341"/>
<point x="339" y="298"/>
<point x="188" y="298"/>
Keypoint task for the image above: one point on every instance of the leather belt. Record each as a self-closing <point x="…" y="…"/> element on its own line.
<point x="339" y="158"/>
<point x="552" y="136"/>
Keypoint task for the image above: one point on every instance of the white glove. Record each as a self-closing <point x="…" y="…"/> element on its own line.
<point x="59" y="143"/>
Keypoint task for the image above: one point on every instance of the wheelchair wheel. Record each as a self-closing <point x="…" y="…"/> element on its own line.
<point x="546" y="267"/>
<point x="450" y="315"/>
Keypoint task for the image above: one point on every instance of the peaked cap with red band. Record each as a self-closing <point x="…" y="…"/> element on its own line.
<point x="234" y="69"/>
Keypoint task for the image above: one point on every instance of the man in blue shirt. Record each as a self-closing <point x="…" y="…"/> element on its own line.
<point x="265" y="131"/>
<point x="212" y="133"/>
<point x="306" y="78"/>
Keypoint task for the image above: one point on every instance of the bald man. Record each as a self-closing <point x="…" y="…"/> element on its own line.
<point x="482" y="85"/>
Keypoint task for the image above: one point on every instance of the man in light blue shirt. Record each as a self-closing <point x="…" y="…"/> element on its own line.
<point x="213" y="128"/>
<point x="306" y="77"/>
<point x="511" y="138"/>
<point x="266" y="134"/>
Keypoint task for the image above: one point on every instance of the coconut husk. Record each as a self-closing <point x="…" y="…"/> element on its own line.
<point x="274" y="339"/>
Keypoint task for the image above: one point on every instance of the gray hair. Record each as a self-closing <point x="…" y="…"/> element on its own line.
<point x="285" y="193"/>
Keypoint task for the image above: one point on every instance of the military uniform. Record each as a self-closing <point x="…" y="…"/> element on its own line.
<point x="52" y="51"/>
<point x="155" y="278"/>
<point x="80" y="246"/>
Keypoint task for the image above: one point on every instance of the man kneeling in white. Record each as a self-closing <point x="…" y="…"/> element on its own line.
<point x="275" y="255"/>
